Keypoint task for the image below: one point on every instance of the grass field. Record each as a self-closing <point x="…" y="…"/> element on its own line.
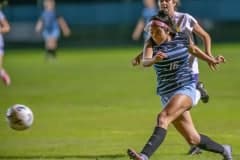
<point x="92" y="104"/>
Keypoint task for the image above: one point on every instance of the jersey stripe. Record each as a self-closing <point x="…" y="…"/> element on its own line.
<point x="174" y="71"/>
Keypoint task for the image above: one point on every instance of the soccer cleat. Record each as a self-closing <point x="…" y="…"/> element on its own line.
<point x="227" y="154"/>
<point x="203" y="92"/>
<point x="134" y="155"/>
<point x="194" y="150"/>
<point x="5" y="78"/>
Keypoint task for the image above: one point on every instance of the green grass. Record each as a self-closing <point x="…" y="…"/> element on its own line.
<point x="92" y="104"/>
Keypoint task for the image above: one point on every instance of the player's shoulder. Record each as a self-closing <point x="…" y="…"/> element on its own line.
<point x="180" y="14"/>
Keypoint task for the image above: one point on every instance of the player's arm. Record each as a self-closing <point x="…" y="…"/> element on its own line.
<point x="137" y="60"/>
<point x="148" y="58"/>
<point x="205" y="38"/>
<point x="5" y="27"/>
<point x="64" y="26"/>
<point x="138" y="29"/>
<point x="213" y="61"/>
<point x="39" y="26"/>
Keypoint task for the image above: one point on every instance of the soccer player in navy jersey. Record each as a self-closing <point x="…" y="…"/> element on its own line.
<point x="188" y="24"/>
<point x="4" y="28"/>
<point x="51" y="24"/>
<point x="168" y="51"/>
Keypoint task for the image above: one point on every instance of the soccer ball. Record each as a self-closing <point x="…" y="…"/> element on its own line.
<point x="19" y="117"/>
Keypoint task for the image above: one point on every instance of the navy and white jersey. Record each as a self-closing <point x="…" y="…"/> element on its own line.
<point x="50" y="22"/>
<point x="174" y="71"/>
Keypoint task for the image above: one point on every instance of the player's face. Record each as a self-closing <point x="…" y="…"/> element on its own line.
<point x="49" y="4"/>
<point x="167" y="5"/>
<point x="158" y="34"/>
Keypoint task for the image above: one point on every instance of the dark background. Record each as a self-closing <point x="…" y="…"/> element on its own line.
<point x="111" y="22"/>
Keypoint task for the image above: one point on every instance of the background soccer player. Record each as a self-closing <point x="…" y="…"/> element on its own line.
<point x="4" y="28"/>
<point x="50" y="24"/>
<point x="150" y="9"/>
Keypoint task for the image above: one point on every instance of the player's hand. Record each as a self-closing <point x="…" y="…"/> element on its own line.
<point x="66" y="33"/>
<point x="220" y="59"/>
<point x="216" y="61"/>
<point x="136" y="61"/>
<point x="160" y="56"/>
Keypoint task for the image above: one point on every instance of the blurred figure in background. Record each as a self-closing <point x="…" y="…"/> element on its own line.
<point x="50" y="24"/>
<point x="150" y="9"/>
<point x="4" y="28"/>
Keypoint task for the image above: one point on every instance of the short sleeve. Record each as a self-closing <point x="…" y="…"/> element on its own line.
<point x="2" y="15"/>
<point x="190" y="22"/>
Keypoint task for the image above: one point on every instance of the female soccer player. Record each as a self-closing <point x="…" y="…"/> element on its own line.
<point x="4" y="28"/>
<point x="167" y="51"/>
<point x="50" y="24"/>
<point x="186" y="23"/>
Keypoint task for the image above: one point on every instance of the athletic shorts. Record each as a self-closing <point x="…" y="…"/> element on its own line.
<point x="189" y="90"/>
<point x="53" y="34"/>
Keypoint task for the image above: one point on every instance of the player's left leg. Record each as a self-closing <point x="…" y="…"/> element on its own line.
<point x="176" y="106"/>
<point x="51" y="47"/>
<point x="3" y="73"/>
<point x="187" y="129"/>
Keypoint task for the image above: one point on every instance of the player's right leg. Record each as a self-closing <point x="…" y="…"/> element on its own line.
<point x="136" y="156"/>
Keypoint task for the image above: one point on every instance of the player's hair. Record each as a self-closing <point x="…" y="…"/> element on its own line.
<point x="178" y="3"/>
<point x="165" y="18"/>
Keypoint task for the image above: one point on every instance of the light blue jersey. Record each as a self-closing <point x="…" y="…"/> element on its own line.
<point x="173" y="72"/>
<point x="147" y="14"/>
<point x="50" y="24"/>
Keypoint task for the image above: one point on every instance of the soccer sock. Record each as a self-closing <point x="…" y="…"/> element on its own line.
<point x="155" y="141"/>
<point x="51" y="53"/>
<point x="198" y="96"/>
<point x="209" y="145"/>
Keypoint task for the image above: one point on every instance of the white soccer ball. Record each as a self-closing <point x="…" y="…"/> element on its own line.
<point x="19" y="117"/>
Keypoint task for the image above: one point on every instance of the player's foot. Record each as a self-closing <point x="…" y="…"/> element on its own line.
<point x="194" y="150"/>
<point x="134" y="155"/>
<point x="5" y="77"/>
<point x="203" y="92"/>
<point x="227" y="154"/>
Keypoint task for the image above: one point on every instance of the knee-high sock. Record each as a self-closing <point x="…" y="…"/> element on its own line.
<point x="155" y="141"/>
<point x="209" y="145"/>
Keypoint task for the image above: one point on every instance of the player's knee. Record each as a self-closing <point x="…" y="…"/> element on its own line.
<point x="193" y="140"/>
<point x="162" y="120"/>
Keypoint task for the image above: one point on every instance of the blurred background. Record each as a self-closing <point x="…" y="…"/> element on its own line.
<point x="111" y="22"/>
